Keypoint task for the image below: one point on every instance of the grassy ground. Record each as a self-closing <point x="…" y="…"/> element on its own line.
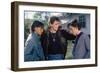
<point x="69" y="50"/>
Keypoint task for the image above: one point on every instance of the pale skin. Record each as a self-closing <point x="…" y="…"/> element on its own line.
<point x="55" y="26"/>
<point x="74" y="30"/>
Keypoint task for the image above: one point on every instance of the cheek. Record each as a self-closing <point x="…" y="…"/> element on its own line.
<point x="57" y="26"/>
<point x="41" y="31"/>
<point x="71" y="31"/>
<point x="38" y="30"/>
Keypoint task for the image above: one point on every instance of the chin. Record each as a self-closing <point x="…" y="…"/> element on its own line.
<point x="56" y="29"/>
<point x="40" y="34"/>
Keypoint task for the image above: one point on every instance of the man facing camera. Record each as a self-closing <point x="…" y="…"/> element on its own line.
<point x="54" y="41"/>
<point x="33" y="50"/>
<point x="81" y="49"/>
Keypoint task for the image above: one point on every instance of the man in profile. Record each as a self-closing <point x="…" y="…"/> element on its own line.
<point x="81" y="49"/>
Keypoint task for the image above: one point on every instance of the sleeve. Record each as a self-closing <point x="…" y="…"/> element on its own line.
<point x="79" y="50"/>
<point x="44" y="43"/>
<point x="40" y="53"/>
<point x="83" y="48"/>
<point x="28" y="50"/>
<point x="67" y="35"/>
<point x="87" y="46"/>
<point x="28" y="46"/>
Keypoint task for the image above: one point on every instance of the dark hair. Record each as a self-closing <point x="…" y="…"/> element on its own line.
<point x="36" y="24"/>
<point x="53" y="18"/>
<point x="74" y="23"/>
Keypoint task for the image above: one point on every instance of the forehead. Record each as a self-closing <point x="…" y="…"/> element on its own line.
<point x="40" y="27"/>
<point x="56" y="21"/>
<point x="71" y="27"/>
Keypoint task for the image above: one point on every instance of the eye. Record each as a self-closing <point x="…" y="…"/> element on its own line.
<point x="56" y="24"/>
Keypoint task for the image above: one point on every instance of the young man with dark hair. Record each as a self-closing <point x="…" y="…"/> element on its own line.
<point x="81" y="49"/>
<point x="33" y="50"/>
<point x="54" y="41"/>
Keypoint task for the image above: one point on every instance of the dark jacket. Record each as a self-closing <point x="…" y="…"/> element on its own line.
<point x="62" y="35"/>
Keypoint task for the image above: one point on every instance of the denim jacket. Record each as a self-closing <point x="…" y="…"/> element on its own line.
<point x="33" y="50"/>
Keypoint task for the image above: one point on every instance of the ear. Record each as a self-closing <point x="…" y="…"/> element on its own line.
<point x="35" y="28"/>
<point x="50" y="25"/>
<point x="77" y="28"/>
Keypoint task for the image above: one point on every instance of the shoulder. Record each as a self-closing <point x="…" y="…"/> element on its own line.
<point x="30" y="38"/>
<point x="84" y="36"/>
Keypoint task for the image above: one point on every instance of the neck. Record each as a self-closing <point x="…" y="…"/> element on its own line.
<point x="36" y="33"/>
<point x="52" y="30"/>
<point x="78" y="32"/>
